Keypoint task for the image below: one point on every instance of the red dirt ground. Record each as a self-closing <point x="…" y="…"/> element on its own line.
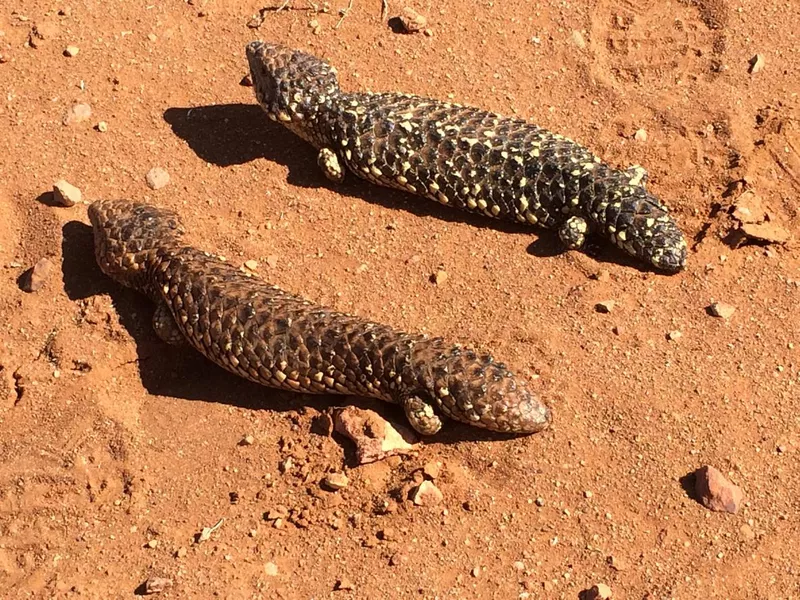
<point x="119" y="450"/>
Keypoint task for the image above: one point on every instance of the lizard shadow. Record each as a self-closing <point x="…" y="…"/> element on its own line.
<point x="182" y="372"/>
<point x="233" y="134"/>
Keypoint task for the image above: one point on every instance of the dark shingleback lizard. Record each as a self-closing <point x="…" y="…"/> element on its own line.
<point x="277" y="339"/>
<point x="464" y="157"/>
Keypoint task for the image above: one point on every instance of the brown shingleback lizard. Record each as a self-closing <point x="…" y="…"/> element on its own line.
<point x="464" y="157"/>
<point x="277" y="339"/>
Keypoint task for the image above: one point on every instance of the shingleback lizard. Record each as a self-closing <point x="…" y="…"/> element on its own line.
<point x="464" y="157"/>
<point x="259" y="332"/>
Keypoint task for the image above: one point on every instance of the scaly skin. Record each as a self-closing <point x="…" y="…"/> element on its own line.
<point x="277" y="339"/>
<point x="464" y="157"/>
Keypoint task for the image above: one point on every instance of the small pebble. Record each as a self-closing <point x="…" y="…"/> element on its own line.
<point x="77" y="113"/>
<point x="34" y="278"/>
<point x="674" y="335"/>
<point x="540" y="502"/>
<point x="577" y="38"/>
<point x="335" y="481"/>
<point x="476" y="571"/>
<point x="156" y="585"/>
<point x="716" y="492"/>
<point x="247" y="440"/>
<point x="412" y="21"/>
<point x="152" y="544"/>
<point x="71" y="51"/>
<point x="152" y="37"/>
<point x="102" y="127"/>
<point x="440" y="277"/>
<point x="397" y="559"/>
<point x="640" y="135"/>
<point x="66" y="194"/>
<point x="721" y="310"/>
<point x="602" y="275"/>
<point x="181" y="552"/>
<point x="617" y="563"/>
<point x="519" y="565"/>
<point x="344" y="584"/>
<point x="432" y="469"/>
<point x="588" y="494"/>
<point x="605" y="307"/>
<point x="272" y="261"/>
<point x="756" y="64"/>
<point x="42" y="32"/>
<point x="270" y="569"/>
<point x="426" y="494"/>
<point x="251" y="264"/>
<point x="157" y="178"/>
<point x="599" y="591"/>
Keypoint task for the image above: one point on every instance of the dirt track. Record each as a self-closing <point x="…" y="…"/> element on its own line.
<point x="116" y="450"/>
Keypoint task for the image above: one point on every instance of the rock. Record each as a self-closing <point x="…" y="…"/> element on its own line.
<point x="599" y="591"/>
<point x="71" y="51"/>
<point x="251" y="265"/>
<point x="335" y="481"/>
<point x="721" y="310"/>
<point x="640" y="135"/>
<point x="272" y="261"/>
<point x="540" y="502"/>
<point x="271" y="569"/>
<point x="411" y="21"/>
<point x="577" y="39"/>
<point x="102" y="127"/>
<point x="766" y="232"/>
<point x="247" y="440"/>
<point x="426" y="494"/>
<point x="432" y="469"/>
<point x="617" y="563"/>
<point x="157" y="178"/>
<point x="747" y="532"/>
<point x="77" y="113"/>
<point x="279" y="512"/>
<point x="374" y="437"/>
<point x="674" y="335"/>
<point x="475" y="572"/>
<point x="34" y="278"/>
<point x="156" y="585"/>
<point x="716" y="492"/>
<point x="756" y="64"/>
<point x="605" y="307"/>
<point x="344" y="584"/>
<point x="42" y="32"/>
<point x="440" y="277"/>
<point x="749" y="208"/>
<point x="66" y="194"/>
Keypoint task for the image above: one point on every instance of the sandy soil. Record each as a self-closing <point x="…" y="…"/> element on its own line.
<point x="116" y="450"/>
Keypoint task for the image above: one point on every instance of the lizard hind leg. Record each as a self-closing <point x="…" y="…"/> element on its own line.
<point x="165" y="326"/>
<point x="421" y="416"/>
<point x="330" y="164"/>
<point x="573" y="232"/>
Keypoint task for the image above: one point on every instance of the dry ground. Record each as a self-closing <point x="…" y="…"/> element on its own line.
<point x="116" y="450"/>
